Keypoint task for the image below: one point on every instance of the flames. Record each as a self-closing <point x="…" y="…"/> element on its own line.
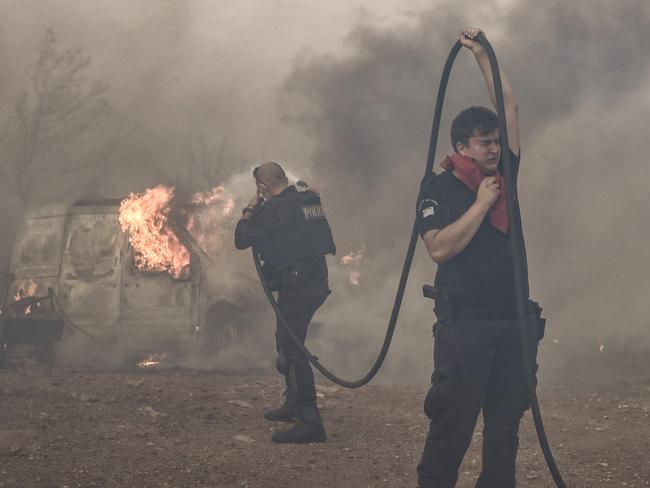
<point x="353" y="261"/>
<point x="24" y="290"/>
<point x="153" y="360"/>
<point x="209" y="210"/>
<point x="146" y="217"/>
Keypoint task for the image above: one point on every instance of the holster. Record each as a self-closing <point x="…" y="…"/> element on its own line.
<point x="541" y="321"/>
<point x="446" y="311"/>
<point x="443" y="304"/>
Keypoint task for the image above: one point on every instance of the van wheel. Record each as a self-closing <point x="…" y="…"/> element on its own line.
<point x="223" y="326"/>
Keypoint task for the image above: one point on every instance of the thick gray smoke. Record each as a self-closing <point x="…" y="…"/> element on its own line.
<point x="353" y="118"/>
<point x="581" y="75"/>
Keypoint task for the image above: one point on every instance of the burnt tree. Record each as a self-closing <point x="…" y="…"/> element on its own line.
<point x="203" y="164"/>
<point x="52" y="140"/>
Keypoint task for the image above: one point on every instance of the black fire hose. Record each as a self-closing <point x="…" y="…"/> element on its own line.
<point x="406" y="268"/>
<point x="517" y="256"/>
<point x="389" y="332"/>
<point x="519" y="270"/>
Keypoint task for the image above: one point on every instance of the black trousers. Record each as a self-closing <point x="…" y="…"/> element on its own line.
<point x="298" y="308"/>
<point x="477" y="367"/>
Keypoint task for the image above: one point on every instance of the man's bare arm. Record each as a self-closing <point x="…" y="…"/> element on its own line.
<point x="510" y="102"/>
<point x="444" y="244"/>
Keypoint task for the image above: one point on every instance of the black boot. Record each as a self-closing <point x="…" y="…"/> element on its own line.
<point x="308" y="429"/>
<point x="288" y="412"/>
<point x="285" y="413"/>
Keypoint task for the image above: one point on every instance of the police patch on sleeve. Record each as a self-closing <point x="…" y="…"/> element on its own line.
<point x="313" y="212"/>
<point x="427" y="208"/>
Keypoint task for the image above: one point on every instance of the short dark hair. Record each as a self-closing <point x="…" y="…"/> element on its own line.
<point x="472" y="121"/>
<point x="270" y="173"/>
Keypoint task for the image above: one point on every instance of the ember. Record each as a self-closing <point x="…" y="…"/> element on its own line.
<point x="355" y="277"/>
<point x="353" y="260"/>
<point x="153" y="360"/>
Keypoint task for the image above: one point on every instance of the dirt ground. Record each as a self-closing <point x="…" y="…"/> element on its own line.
<point x="182" y="428"/>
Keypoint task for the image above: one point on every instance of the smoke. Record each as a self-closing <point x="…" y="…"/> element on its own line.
<point x="582" y="85"/>
<point x="344" y="98"/>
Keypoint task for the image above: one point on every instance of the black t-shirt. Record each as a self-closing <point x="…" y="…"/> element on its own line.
<point x="482" y="273"/>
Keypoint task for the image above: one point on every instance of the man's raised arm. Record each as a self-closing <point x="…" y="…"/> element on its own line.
<point x="512" y="116"/>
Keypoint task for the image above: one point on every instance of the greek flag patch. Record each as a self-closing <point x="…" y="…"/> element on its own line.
<point x="427" y="207"/>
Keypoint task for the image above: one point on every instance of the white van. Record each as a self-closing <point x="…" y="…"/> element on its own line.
<point x="81" y="253"/>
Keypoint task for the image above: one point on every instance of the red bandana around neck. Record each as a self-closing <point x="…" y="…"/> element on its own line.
<point x="469" y="173"/>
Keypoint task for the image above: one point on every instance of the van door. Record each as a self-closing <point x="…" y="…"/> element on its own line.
<point x="91" y="265"/>
<point x="154" y="305"/>
<point x="36" y="256"/>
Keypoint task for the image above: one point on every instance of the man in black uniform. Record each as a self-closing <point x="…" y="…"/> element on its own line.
<point x="289" y="230"/>
<point x="462" y="218"/>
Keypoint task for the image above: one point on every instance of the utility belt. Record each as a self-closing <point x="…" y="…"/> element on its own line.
<point x="495" y="312"/>
<point x="298" y="277"/>
<point x="447" y="309"/>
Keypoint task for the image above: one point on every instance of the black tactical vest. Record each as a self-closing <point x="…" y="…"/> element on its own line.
<point x="299" y="230"/>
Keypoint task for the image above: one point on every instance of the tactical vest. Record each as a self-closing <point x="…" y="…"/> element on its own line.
<point x="302" y="230"/>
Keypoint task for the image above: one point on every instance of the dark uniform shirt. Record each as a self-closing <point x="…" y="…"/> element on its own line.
<point x="273" y="218"/>
<point x="482" y="273"/>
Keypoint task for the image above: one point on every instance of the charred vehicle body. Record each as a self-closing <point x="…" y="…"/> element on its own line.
<point x="82" y="256"/>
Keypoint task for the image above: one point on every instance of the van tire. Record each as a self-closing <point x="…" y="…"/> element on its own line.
<point x="224" y="326"/>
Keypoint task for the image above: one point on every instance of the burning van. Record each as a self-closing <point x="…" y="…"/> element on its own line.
<point x="142" y="271"/>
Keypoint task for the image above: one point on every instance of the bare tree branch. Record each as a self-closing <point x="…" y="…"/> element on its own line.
<point x="203" y="165"/>
<point x="50" y="118"/>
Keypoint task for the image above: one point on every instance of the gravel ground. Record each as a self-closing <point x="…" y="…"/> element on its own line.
<point x="182" y="428"/>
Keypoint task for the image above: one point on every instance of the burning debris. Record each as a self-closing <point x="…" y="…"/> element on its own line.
<point x="24" y="301"/>
<point x="149" y="217"/>
<point x="353" y="261"/>
<point x="153" y="360"/>
<point x="26" y="289"/>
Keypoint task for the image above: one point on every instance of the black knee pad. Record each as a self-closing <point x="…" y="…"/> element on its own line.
<point x="432" y="399"/>
<point x="282" y="365"/>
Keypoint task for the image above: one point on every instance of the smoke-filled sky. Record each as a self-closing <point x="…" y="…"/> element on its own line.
<point x="342" y="92"/>
<point x="179" y="67"/>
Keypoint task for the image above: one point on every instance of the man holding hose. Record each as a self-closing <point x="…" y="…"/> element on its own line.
<point x="290" y="232"/>
<point x="463" y="221"/>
